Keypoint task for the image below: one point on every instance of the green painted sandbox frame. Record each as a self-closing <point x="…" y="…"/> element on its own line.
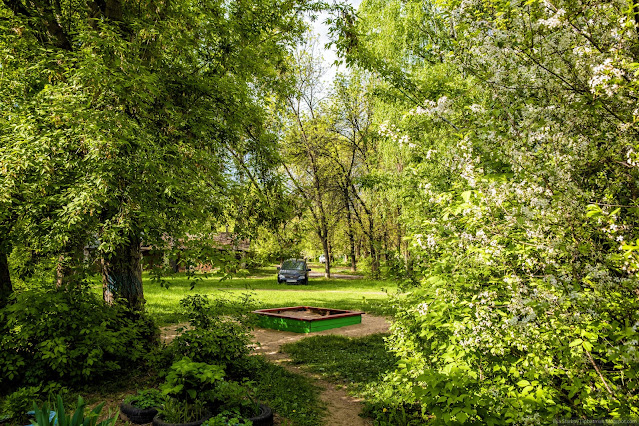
<point x="277" y="319"/>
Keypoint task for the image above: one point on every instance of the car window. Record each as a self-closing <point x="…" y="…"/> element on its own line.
<point x="293" y="264"/>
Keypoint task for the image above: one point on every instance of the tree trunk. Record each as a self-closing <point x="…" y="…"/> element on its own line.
<point x="351" y="236"/>
<point x="373" y="253"/>
<point x="122" y="275"/>
<point x="71" y="267"/>
<point x="5" y="280"/>
<point x="323" y="236"/>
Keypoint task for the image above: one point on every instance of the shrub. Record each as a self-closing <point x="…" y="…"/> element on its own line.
<point x="223" y="344"/>
<point x="189" y="386"/>
<point x="189" y="381"/>
<point x="220" y="334"/>
<point x="69" y="335"/>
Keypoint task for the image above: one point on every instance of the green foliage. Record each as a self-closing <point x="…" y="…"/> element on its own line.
<point x="190" y="381"/>
<point x="69" y="336"/>
<point x="224" y="344"/>
<point x="176" y="411"/>
<point x="518" y="173"/>
<point x="146" y="398"/>
<point x="206" y="314"/>
<point x="16" y="404"/>
<point x="227" y="418"/>
<point x="233" y="397"/>
<point x="219" y="334"/>
<point x="385" y="414"/>
<point x="78" y="418"/>
<point x="117" y="124"/>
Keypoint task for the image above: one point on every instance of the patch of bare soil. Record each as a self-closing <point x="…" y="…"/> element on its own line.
<point x="170" y="332"/>
<point x="343" y="409"/>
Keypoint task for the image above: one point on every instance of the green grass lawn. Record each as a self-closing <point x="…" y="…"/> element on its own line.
<point x="359" y="294"/>
<point x="356" y="362"/>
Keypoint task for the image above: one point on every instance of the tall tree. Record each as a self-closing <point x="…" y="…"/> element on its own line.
<point x="306" y="146"/>
<point x="127" y="112"/>
<point x="353" y="154"/>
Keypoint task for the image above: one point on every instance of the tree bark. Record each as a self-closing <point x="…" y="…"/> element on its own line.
<point x="72" y="265"/>
<point x="6" y="288"/>
<point x="122" y="275"/>
<point x="373" y="254"/>
<point x="351" y="236"/>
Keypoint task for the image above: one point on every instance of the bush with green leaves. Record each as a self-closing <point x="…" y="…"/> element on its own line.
<point x="16" y="404"/>
<point x="220" y="332"/>
<point x="70" y="336"/>
<point x="205" y="313"/>
<point x="189" y="381"/>
<point x="189" y="387"/>
<point x="233" y="397"/>
<point x="225" y="343"/>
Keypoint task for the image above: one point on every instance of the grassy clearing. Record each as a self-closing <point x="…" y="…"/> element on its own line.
<point x="355" y="362"/>
<point x="360" y="294"/>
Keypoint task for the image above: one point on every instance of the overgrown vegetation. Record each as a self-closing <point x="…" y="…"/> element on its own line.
<point x="68" y="337"/>
<point x="484" y="154"/>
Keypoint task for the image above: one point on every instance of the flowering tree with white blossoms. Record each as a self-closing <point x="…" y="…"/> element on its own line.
<point x="523" y="186"/>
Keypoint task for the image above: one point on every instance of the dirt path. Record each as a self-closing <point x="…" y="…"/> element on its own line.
<point x="343" y="409"/>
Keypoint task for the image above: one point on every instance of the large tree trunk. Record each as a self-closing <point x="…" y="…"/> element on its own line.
<point x="5" y="280"/>
<point x="122" y="275"/>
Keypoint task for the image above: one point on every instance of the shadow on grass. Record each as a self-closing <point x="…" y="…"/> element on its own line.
<point x="357" y="362"/>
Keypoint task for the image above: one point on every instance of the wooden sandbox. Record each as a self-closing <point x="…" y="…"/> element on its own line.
<point x="306" y="319"/>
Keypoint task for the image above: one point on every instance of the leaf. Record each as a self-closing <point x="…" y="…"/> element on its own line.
<point x="462" y="417"/>
<point x="523" y="383"/>
<point x="576" y="342"/>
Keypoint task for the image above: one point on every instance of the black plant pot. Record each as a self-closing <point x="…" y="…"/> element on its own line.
<point x="138" y="415"/>
<point x="157" y="421"/>
<point x="265" y="418"/>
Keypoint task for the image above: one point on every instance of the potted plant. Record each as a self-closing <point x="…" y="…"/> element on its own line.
<point x="263" y="417"/>
<point x="187" y="388"/>
<point x="140" y="408"/>
<point x="234" y="402"/>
